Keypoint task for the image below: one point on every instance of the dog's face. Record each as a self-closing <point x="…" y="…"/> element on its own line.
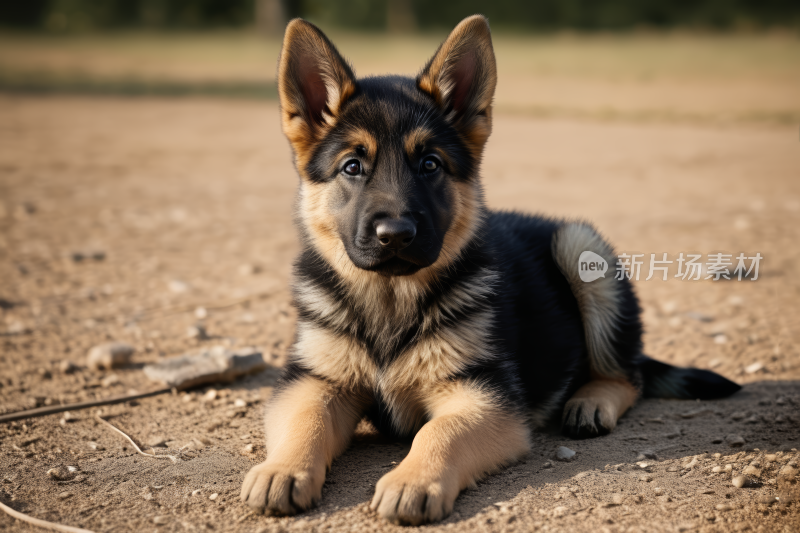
<point x="388" y="165"/>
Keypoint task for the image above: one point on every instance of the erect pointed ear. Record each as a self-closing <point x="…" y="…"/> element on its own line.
<point x="461" y="78"/>
<point x="313" y="83"/>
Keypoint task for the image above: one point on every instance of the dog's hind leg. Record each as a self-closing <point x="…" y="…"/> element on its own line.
<point x="595" y="408"/>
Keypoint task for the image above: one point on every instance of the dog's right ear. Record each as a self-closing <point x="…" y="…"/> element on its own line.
<point x="313" y="83"/>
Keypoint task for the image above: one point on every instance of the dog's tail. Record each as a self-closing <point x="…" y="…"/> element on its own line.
<point x="666" y="381"/>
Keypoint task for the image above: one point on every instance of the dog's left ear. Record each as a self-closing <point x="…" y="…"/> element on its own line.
<point x="461" y="78"/>
<point x="314" y="81"/>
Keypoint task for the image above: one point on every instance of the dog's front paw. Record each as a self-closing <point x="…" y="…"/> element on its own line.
<point x="281" y="489"/>
<point x="404" y="496"/>
<point x="588" y="417"/>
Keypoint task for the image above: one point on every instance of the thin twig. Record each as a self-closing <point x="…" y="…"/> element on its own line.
<point x="170" y="457"/>
<point x="41" y="523"/>
<point x="52" y="409"/>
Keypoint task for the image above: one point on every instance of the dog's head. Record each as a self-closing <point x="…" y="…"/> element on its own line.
<point x="388" y="165"/>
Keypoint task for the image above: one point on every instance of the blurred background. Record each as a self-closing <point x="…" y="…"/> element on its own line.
<point x="707" y="60"/>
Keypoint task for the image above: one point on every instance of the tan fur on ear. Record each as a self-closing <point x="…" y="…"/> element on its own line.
<point x="461" y="77"/>
<point x="313" y="83"/>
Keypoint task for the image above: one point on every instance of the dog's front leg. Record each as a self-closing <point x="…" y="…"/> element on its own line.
<point x="471" y="432"/>
<point x="308" y="423"/>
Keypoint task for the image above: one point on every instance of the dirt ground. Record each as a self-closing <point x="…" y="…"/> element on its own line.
<point x="121" y="219"/>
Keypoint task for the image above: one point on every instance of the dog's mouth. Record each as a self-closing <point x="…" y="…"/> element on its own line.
<point x="395" y="266"/>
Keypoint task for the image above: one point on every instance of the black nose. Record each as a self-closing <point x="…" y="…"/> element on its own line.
<point x="395" y="233"/>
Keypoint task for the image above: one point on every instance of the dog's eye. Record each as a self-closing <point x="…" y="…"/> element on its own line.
<point x="352" y="168"/>
<point x="430" y="165"/>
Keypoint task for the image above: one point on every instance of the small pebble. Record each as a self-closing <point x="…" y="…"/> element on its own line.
<point x="65" y="495"/>
<point x="109" y="381"/>
<point x="110" y="355"/>
<point x="95" y="446"/>
<point x="548" y="464"/>
<point x="740" y="482"/>
<point x="752" y="470"/>
<point x="178" y="286"/>
<point x="735" y="441"/>
<point x="197" y="332"/>
<point x="196" y="492"/>
<point x="213" y="497"/>
<point x="738" y="415"/>
<point x="722" y="507"/>
<point x="248" y="449"/>
<point x="755" y="367"/>
<point x="67" y="367"/>
<point x="160" y="520"/>
<point x="62" y="473"/>
<point x="239" y="403"/>
<point x="705" y="491"/>
<point x="646" y="478"/>
<point x="210" y="395"/>
<point x="647" y="454"/>
<point x="564" y="454"/>
<point x="658" y="491"/>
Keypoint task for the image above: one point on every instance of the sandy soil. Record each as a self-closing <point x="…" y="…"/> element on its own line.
<point x="190" y="204"/>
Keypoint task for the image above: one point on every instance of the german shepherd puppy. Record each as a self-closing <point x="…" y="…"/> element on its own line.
<point x="421" y="309"/>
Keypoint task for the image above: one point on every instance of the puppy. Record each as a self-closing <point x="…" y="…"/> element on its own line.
<point x="422" y="310"/>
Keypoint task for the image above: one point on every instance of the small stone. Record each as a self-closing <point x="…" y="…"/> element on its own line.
<point x="64" y="495"/>
<point x="95" y="446"/>
<point x="213" y="497"/>
<point x="705" y="491"/>
<point x="547" y="464"/>
<point x="647" y="454"/>
<point x="109" y="381"/>
<point x="755" y="367"/>
<point x="752" y="420"/>
<point x="249" y="269"/>
<point x="738" y="415"/>
<point x="210" y="395"/>
<point x="564" y="454"/>
<point x="147" y="496"/>
<point x="617" y="499"/>
<point x="248" y="449"/>
<point x="196" y="492"/>
<point x="160" y="520"/>
<point x="197" y="332"/>
<point x="767" y="500"/>
<point x="67" y="367"/>
<point x="62" y="473"/>
<point x="110" y="355"/>
<point x="201" y="313"/>
<point x="741" y="482"/>
<point x="560" y="511"/>
<point x="752" y="470"/>
<point x="45" y="374"/>
<point x="720" y="339"/>
<point x="646" y="478"/>
<point x="178" y="286"/>
<point x="239" y="403"/>
<point x="780" y="401"/>
<point x="735" y="441"/>
<point x="788" y="472"/>
<point x="722" y="507"/>
<point x="673" y="468"/>
<point x="658" y="491"/>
